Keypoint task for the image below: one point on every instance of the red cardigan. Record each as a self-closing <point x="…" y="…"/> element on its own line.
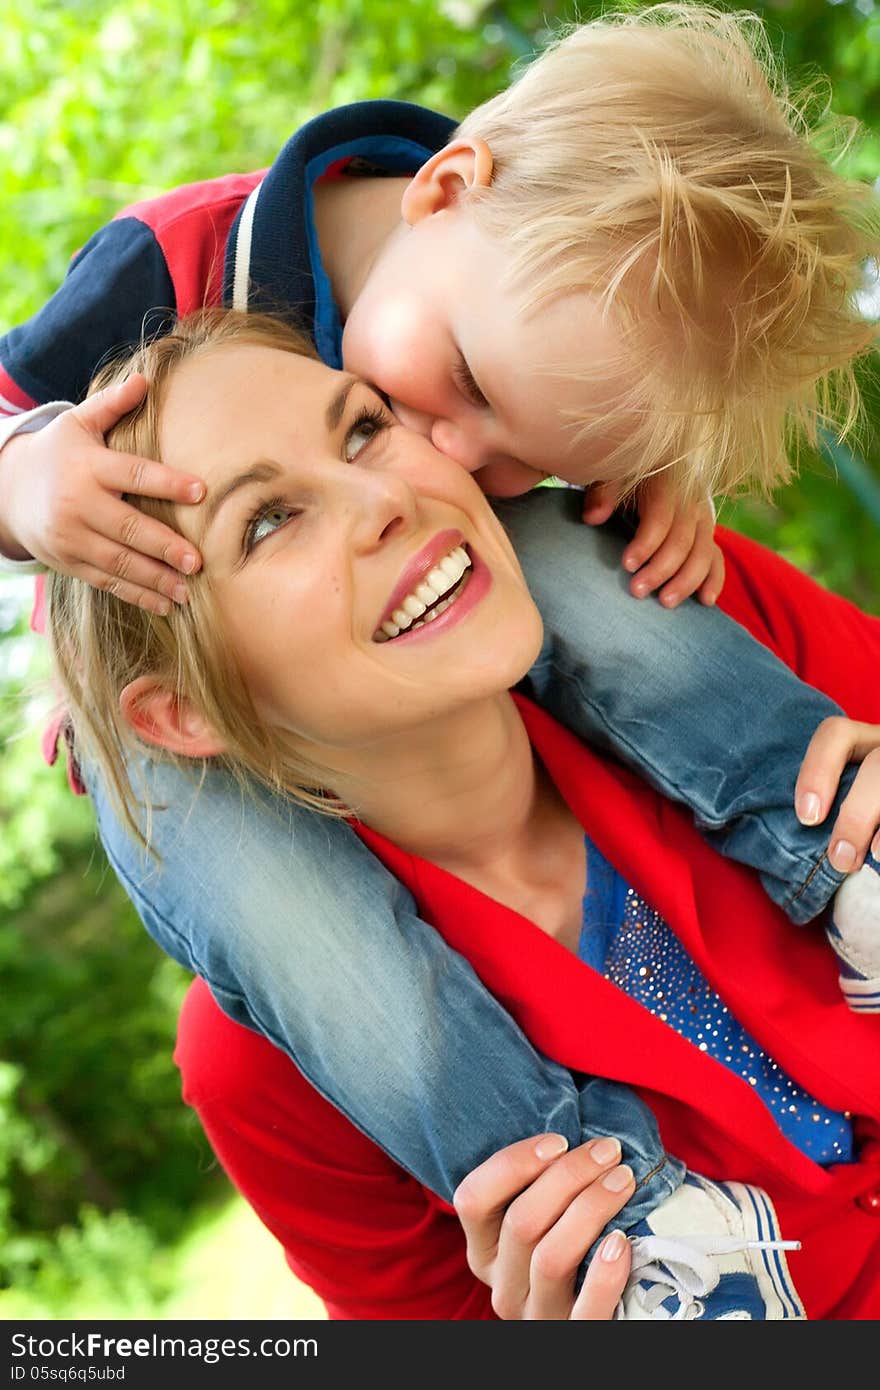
<point x="375" y="1244"/>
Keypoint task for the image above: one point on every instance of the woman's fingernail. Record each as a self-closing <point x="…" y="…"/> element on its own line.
<point x="843" y="855"/>
<point x="180" y="593"/>
<point x="612" y="1246"/>
<point x="195" y="492"/>
<point x="631" y="563"/>
<point x="808" y="809"/>
<point x="618" y="1179"/>
<point x="875" y="846"/>
<point x="551" y="1146"/>
<point x="188" y="564"/>
<point x="604" y="1150"/>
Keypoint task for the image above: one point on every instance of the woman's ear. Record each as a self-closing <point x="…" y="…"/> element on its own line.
<point x="438" y="184"/>
<point x="168" y="720"/>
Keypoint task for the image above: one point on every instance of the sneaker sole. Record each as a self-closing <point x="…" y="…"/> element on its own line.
<point x="770" y="1266"/>
<point x="862" y="996"/>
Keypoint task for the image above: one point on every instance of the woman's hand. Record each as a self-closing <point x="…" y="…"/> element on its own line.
<point x="673" y="549"/>
<point x="836" y="742"/>
<point x="531" y="1212"/>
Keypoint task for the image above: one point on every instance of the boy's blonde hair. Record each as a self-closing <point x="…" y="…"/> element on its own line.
<point x="656" y="158"/>
<point x="101" y="643"/>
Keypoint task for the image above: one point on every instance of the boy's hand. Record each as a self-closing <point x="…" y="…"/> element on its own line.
<point x="837" y="742"/>
<point x="673" y="546"/>
<point x="61" y="502"/>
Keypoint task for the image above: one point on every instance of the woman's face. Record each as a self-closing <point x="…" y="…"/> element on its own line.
<point x="326" y="526"/>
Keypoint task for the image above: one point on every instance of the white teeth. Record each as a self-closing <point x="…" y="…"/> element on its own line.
<point x="447" y="573"/>
<point x="451" y="568"/>
<point x="434" y="613"/>
<point x="439" y="581"/>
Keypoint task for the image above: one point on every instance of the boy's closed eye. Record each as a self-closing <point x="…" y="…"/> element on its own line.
<point x="467" y="385"/>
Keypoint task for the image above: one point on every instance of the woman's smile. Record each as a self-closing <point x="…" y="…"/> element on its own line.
<point x="449" y="587"/>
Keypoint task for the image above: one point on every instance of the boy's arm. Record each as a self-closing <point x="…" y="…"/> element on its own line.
<point x="61" y="490"/>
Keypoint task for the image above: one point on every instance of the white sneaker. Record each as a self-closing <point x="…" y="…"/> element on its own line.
<point x="710" y="1251"/>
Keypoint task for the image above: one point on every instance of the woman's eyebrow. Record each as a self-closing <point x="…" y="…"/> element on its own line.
<point x="261" y="472"/>
<point x="336" y="408"/>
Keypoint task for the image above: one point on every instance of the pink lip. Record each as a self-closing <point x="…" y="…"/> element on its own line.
<point x="477" y="586"/>
<point x="418" y="567"/>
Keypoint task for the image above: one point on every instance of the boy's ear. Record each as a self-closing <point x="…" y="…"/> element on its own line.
<point x="461" y="165"/>
<point x="168" y="720"/>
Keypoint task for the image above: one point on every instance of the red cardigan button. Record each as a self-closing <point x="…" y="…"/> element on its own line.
<point x="870" y="1202"/>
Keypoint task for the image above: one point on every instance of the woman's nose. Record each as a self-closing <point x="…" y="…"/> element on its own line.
<point x="381" y="504"/>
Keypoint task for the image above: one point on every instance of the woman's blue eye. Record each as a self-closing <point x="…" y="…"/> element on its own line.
<point x="266" y="521"/>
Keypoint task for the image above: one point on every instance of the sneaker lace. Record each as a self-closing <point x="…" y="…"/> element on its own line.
<point x="688" y="1269"/>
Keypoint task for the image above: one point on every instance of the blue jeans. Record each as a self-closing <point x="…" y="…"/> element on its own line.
<point x="303" y="935"/>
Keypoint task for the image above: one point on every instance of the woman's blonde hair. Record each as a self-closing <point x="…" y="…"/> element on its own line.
<point x="656" y="158"/>
<point x="101" y="643"/>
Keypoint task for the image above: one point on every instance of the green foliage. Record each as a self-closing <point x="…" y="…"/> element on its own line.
<point x="102" y="103"/>
<point x="98" y="1159"/>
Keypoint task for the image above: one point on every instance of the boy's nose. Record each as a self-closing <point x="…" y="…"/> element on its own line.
<point x="415" y="420"/>
<point x="466" y="447"/>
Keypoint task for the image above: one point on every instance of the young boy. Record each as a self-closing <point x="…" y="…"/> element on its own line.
<point x="704" y="306"/>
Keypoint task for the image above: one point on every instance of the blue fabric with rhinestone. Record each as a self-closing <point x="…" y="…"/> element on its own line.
<point x="631" y="945"/>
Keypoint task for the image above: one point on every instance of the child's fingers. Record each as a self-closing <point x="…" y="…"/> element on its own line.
<point x="147" y="478"/>
<point x="692" y="573"/>
<point x="600" y="501"/>
<point x="710" y="590"/>
<point x="653" y="528"/>
<point x="122" y="565"/>
<point x="858" y="818"/>
<point x="133" y="531"/>
<point x="105" y="408"/>
<point x="123" y="589"/>
<point x="605" y="1281"/>
<point x="667" y="561"/>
